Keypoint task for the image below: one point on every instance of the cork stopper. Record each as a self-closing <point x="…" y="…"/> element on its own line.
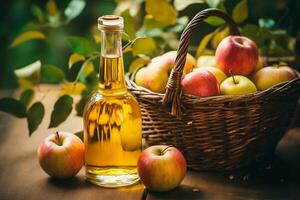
<point x="111" y="23"/>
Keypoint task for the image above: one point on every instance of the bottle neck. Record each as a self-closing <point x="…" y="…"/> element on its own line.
<point x="111" y="72"/>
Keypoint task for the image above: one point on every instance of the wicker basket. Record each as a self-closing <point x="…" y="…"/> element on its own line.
<point x="220" y="132"/>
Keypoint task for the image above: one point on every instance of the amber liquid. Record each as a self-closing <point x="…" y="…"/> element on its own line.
<point x="112" y="129"/>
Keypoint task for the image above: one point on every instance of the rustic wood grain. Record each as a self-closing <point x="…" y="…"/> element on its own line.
<point x="22" y="178"/>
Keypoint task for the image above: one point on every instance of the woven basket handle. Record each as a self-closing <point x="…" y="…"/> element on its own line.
<point x="173" y="89"/>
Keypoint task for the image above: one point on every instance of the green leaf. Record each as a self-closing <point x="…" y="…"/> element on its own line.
<point x="74" y="8"/>
<point x="52" y="74"/>
<point x="203" y="43"/>
<point x="80" y="106"/>
<point x="213" y="3"/>
<point x="35" y="116"/>
<point x="266" y="23"/>
<point x="146" y="46"/>
<point x="240" y="11"/>
<point x="86" y="69"/>
<point x="30" y="35"/>
<point x="62" y="109"/>
<point x="38" y="13"/>
<point x="162" y="11"/>
<point x="214" y="21"/>
<point x="79" y="134"/>
<point x="133" y="6"/>
<point x="81" y="45"/>
<point x="181" y="5"/>
<point x="74" y="58"/>
<point x="26" y="97"/>
<point x="29" y="75"/>
<point x="180" y="25"/>
<point x="129" y="24"/>
<point x="13" y="107"/>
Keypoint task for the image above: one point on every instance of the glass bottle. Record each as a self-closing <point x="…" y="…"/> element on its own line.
<point x="112" y="116"/>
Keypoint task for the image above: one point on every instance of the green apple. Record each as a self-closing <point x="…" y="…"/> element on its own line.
<point x="220" y="76"/>
<point x="237" y="85"/>
<point x="272" y="75"/>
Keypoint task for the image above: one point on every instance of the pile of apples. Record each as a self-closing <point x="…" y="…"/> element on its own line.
<point x="235" y="69"/>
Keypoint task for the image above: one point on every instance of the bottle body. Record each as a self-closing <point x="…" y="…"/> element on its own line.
<point x="112" y="137"/>
<point x="112" y="118"/>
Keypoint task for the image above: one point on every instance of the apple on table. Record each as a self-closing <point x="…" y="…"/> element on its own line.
<point x="61" y="155"/>
<point x="161" y="167"/>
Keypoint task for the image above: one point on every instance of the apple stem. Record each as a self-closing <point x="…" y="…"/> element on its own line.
<point x="58" y="138"/>
<point x="166" y="149"/>
<point x="230" y="72"/>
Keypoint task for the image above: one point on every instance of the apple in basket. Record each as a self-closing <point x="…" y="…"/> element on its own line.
<point x="161" y="167"/>
<point x="200" y="83"/>
<point x="61" y="155"/>
<point x="237" y="85"/>
<point x="155" y="75"/>
<point x="272" y="75"/>
<point x="237" y="54"/>
<point x="220" y="76"/>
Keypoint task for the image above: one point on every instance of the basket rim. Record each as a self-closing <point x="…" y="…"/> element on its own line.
<point x="275" y="88"/>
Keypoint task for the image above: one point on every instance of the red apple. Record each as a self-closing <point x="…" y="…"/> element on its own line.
<point x="272" y="75"/>
<point x="161" y="167"/>
<point x="61" y="155"/>
<point x="238" y="54"/>
<point x="200" y="83"/>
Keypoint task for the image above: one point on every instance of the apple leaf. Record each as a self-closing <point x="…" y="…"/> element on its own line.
<point x="146" y="46"/>
<point x="133" y="6"/>
<point x="81" y="45"/>
<point x="181" y="5"/>
<point x="74" y="8"/>
<point x="213" y="3"/>
<point x="80" y="106"/>
<point x="214" y="21"/>
<point x="30" y="35"/>
<point x="203" y="43"/>
<point x="29" y="75"/>
<point x="162" y="11"/>
<point x="38" y="13"/>
<point x="79" y="134"/>
<point x="75" y="58"/>
<point x="51" y="8"/>
<point x="26" y="97"/>
<point x="13" y="107"/>
<point x="240" y="11"/>
<point x="52" y="74"/>
<point x="35" y="116"/>
<point x="72" y="88"/>
<point x="129" y="26"/>
<point x="150" y="23"/>
<point x="61" y="111"/>
<point x="219" y="36"/>
<point x="180" y="25"/>
<point x="86" y="69"/>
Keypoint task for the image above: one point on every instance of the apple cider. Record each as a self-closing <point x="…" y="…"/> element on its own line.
<point x="112" y="117"/>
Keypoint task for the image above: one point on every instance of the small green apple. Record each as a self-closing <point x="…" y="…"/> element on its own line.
<point x="237" y="85"/>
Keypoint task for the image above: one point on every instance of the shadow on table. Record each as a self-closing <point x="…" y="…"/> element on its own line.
<point x="71" y="183"/>
<point x="181" y="192"/>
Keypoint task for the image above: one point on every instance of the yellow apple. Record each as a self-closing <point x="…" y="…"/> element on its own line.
<point x="206" y="60"/>
<point x="272" y="75"/>
<point x="220" y="76"/>
<point x="237" y="85"/>
<point x="155" y="75"/>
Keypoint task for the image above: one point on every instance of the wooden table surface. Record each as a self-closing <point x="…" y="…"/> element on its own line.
<point x="22" y="178"/>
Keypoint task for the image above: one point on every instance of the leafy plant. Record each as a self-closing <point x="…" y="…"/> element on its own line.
<point x="148" y="32"/>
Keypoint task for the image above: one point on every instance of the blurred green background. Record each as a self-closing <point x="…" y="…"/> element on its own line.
<point x="18" y="16"/>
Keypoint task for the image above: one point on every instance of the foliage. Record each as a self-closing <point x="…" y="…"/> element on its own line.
<point x="152" y="27"/>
